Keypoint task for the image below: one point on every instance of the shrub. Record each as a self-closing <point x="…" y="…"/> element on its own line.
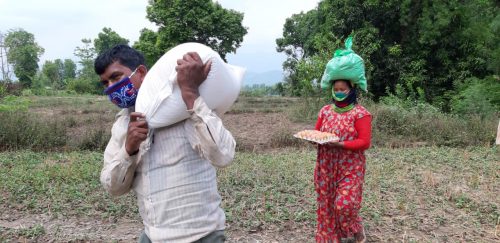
<point x="13" y="103"/>
<point x="83" y="86"/>
<point x="3" y="90"/>
<point x="27" y="92"/>
<point x="424" y="124"/>
<point x="94" y="140"/>
<point x="13" y="88"/>
<point x="479" y="97"/>
<point x="22" y="130"/>
<point x="306" y="110"/>
<point x="283" y="138"/>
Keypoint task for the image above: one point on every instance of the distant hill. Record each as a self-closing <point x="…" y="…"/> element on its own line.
<point x="268" y="78"/>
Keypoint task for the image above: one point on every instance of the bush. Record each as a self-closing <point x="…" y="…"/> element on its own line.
<point x="94" y="140"/>
<point x="479" y="97"/>
<point x="3" y="90"/>
<point x="307" y="109"/>
<point x="83" y="86"/>
<point x="47" y="91"/>
<point x="27" y="92"/>
<point x="262" y="90"/>
<point x="13" y="88"/>
<point x="13" y="103"/>
<point x="22" y="130"/>
<point x="425" y="125"/>
<point x="282" y="138"/>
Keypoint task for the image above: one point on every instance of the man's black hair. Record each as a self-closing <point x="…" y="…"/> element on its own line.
<point x="124" y="54"/>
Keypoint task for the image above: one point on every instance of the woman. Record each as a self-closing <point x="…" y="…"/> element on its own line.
<point x="340" y="167"/>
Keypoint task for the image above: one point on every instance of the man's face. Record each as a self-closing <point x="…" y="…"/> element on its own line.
<point x="116" y="72"/>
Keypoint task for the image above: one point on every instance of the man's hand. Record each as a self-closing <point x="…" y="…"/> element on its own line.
<point x="137" y="132"/>
<point x="190" y="75"/>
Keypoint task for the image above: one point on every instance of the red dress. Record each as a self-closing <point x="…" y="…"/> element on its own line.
<point x="339" y="173"/>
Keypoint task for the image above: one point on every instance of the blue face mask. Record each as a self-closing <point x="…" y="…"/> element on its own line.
<point x="123" y="93"/>
<point x="339" y="96"/>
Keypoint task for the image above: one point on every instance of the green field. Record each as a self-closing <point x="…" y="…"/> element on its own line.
<point x="428" y="72"/>
<point x="418" y="189"/>
<point x="411" y="195"/>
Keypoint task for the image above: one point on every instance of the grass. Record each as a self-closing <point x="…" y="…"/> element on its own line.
<point x="64" y="184"/>
<point x="268" y="189"/>
<point x="52" y="157"/>
<point x="262" y="104"/>
<point x="82" y="122"/>
<point x="411" y="194"/>
<point x="58" y="123"/>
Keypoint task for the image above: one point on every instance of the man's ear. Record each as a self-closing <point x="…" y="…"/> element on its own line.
<point x="142" y="71"/>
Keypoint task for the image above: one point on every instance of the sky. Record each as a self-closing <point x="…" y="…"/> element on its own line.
<point x="59" y="25"/>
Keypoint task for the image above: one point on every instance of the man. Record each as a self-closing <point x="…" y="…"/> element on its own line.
<point x="171" y="169"/>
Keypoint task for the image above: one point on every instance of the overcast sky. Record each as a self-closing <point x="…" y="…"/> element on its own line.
<point x="59" y="25"/>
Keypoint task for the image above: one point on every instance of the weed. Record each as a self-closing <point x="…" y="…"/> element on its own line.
<point x="31" y="232"/>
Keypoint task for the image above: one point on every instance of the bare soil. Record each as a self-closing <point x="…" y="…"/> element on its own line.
<point x="261" y="131"/>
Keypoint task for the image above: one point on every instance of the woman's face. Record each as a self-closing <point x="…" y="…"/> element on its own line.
<point x="341" y="86"/>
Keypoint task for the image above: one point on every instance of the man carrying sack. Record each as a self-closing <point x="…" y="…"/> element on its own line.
<point x="166" y="167"/>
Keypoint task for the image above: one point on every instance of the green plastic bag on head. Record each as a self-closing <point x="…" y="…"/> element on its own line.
<point x="345" y="65"/>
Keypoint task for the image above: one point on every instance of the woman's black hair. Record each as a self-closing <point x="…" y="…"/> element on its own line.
<point x="347" y="81"/>
<point x="124" y="54"/>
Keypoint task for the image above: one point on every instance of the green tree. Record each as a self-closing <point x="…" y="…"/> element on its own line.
<point x="201" y="21"/>
<point x="87" y="79"/>
<point x="40" y="83"/>
<point x="297" y="31"/>
<point x="69" y="69"/>
<point x="55" y="72"/>
<point x="86" y="52"/>
<point x="297" y="44"/>
<point x="51" y="70"/>
<point x="147" y="44"/>
<point x="107" y="39"/>
<point x="428" y="48"/>
<point x="23" y="53"/>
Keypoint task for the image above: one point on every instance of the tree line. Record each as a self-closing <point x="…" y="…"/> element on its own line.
<point x="178" y="22"/>
<point x="446" y="53"/>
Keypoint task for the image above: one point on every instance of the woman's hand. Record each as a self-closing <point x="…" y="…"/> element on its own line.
<point x="336" y="144"/>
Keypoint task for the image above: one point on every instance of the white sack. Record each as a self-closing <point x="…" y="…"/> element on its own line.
<point x="160" y="97"/>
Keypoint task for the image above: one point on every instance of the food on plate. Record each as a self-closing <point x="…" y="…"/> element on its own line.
<point x="316" y="136"/>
